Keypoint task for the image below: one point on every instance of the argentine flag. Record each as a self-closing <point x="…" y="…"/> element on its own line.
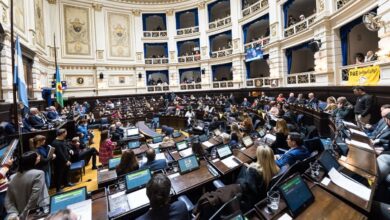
<point x="19" y="74"/>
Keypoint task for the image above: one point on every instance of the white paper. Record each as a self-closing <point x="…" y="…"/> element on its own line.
<point x="286" y="216"/>
<point x="229" y="162"/>
<point x="173" y="175"/>
<point x="349" y="124"/>
<point x="325" y="181"/>
<point x="349" y="185"/>
<point x="215" y="160"/>
<point x="186" y="152"/>
<point x="359" y="144"/>
<point x="208" y="144"/>
<point x="103" y="170"/>
<point x="82" y="209"/>
<point x="138" y="198"/>
<point x="154" y="146"/>
<point x="117" y="194"/>
<point x="343" y="158"/>
<point x="160" y="156"/>
<point x="361" y="133"/>
<point x="270" y="137"/>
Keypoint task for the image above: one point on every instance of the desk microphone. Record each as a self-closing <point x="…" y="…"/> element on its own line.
<point x="287" y="171"/>
<point x="236" y="197"/>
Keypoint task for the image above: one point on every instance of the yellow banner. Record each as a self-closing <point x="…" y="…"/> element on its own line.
<point x="365" y="76"/>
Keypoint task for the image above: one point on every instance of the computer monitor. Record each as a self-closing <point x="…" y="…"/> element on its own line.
<point x="133" y="144"/>
<point x="137" y="179"/>
<point x="224" y="151"/>
<point x="181" y="145"/>
<point x="176" y="134"/>
<point x="297" y="195"/>
<point x="112" y="163"/>
<point x="188" y="164"/>
<point x="247" y="141"/>
<point x="132" y="132"/>
<point x="327" y="161"/>
<point x="62" y="200"/>
<point x="157" y="139"/>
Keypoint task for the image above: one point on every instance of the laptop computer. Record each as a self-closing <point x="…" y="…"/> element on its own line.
<point x="297" y="195"/>
<point x="176" y="134"/>
<point x="247" y="141"/>
<point x="133" y="144"/>
<point x="157" y="139"/>
<point x="224" y="151"/>
<point x="188" y="164"/>
<point x="137" y="179"/>
<point x="183" y="148"/>
<point x="62" y="200"/>
<point x="262" y="132"/>
<point x="328" y="162"/>
<point x="132" y="132"/>
<point x="112" y="163"/>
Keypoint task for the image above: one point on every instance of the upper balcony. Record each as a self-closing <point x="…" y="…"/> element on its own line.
<point x="302" y="25"/>
<point x="188" y="51"/>
<point x="154" y="26"/>
<point x="298" y="16"/>
<point x="221" y="45"/>
<point x="220" y="23"/>
<point x="260" y="42"/>
<point x="252" y="6"/>
<point x="187" y="22"/>
<point x="341" y="3"/>
<point x="219" y="14"/>
<point x="156" y="53"/>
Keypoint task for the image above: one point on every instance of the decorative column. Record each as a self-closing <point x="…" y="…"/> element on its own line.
<point x="384" y="42"/>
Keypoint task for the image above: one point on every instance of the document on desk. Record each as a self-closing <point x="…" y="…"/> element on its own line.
<point x="160" y="156"/>
<point x="361" y="133"/>
<point x="350" y="124"/>
<point x="208" y="144"/>
<point x="349" y="184"/>
<point x="229" y="162"/>
<point x="154" y="146"/>
<point x="82" y="209"/>
<point x="138" y="198"/>
<point x="359" y="144"/>
<point x="270" y="137"/>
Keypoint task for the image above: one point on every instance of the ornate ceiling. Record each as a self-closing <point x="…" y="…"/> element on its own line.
<point x="150" y="2"/>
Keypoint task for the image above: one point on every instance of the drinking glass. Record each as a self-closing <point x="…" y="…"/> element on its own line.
<point x="314" y="169"/>
<point x="273" y="200"/>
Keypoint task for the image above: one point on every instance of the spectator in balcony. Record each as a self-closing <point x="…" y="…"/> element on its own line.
<point x="302" y="17"/>
<point x="158" y="28"/>
<point x="159" y="81"/>
<point x="291" y="20"/>
<point x="359" y="58"/>
<point x="370" y="56"/>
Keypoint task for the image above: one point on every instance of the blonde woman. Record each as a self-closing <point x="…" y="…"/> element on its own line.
<point x="254" y="179"/>
<point x="330" y="104"/>
<point x="281" y="132"/>
<point x="235" y="133"/>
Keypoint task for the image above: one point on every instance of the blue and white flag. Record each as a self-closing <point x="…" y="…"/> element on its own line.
<point x="19" y="74"/>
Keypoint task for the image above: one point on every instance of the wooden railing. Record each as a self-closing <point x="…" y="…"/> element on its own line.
<point x="341" y="3"/>
<point x="156" y="60"/>
<point x="188" y="59"/>
<point x="257" y="6"/>
<point x="190" y="86"/>
<point x="261" y="42"/>
<point x="221" y="53"/>
<point x="223" y="84"/>
<point x="300" y="26"/>
<point x="155" y="34"/>
<point x="259" y="82"/>
<point x="190" y="30"/>
<point x="158" y="88"/>
<point x="301" y="78"/>
<point x="220" y="22"/>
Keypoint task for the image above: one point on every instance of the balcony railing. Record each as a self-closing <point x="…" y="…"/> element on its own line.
<point x="220" y="22"/>
<point x="261" y="42"/>
<point x="300" y="26"/>
<point x="190" y="30"/>
<point x="259" y="82"/>
<point x="345" y="69"/>
<point x="221" y="53"/>
<point x="341" y="3"/>
<point x="190" y="86"/>
<point x="156" y="60"/>
<point x="257" y="6"/>
<point x="301" y="78"/>
<point x="155" y="34"/>
<point x="188" y="59"/>
<point x="223" y="84"/>
<point x="158" y="88"/>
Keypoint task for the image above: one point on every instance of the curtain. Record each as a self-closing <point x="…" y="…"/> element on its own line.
<point x="146" y="16"/>
<point x="216" y="67"/>
<point x="344" y="32"/>
<point x="245" y="28"/>
<point x="286" y="6"/>
<point x="248" y="70"/>
<point x="210" y="6"/>
<point x="289" y="52"/>
<point x="194" y="70"/>
<point x="165" y="45"/>
<point x="150" y="73"/>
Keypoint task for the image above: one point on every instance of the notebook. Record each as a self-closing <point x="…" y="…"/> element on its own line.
<point x="62" y="200"/>
<point x="137" y="179"/>
<point x="188" y="164"/>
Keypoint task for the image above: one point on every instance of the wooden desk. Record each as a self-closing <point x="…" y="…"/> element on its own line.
<point x="176" y="122"/>
<point x="214" y="140"/>
<point x="362" y="159"/>
<point x="223" y="169"/>
<point x="106" y="177"/>
<point x="318" y="118"/>
<point x="188" y="181"/>
<point x="250" y="152"/>
<point x="325" y="206"/>
<point x="141" y="150"/>
<point x="99" y="208"/>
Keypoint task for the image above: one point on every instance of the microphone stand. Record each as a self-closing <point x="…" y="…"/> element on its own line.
<point x="237" y="196"/>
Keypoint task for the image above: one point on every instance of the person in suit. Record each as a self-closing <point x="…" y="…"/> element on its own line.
<point x="45" y="160"/>
<point x="152" y="163"/>
<point x="52" y="114"/>
<point x="83" y="129"/>
<point x="342" y="111"/>
<point x="246" y="103"/>
<point x="62" y="161"/>
<point x="27" y="188"/>
<point x="158" y="190"/>
<point x="312" y="102"/>
<point x="36" y="120"/>
<point x="363" y="106"/>
<point x="382" y="139"/>
<point x="375" y="129"/>
<point x="300" y="100"/>
<point x="296" y="152"/>
<point x="254" y="179"/>
<point x="82" y="152"/>
<point x="128" y="163"/>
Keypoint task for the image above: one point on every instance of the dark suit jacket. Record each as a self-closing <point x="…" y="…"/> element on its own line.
<point x="62" y="153"/>
<point x="36" y="122"/>
<point x="280" y="142"/>
<point x="155" y="164"/>
<point x="313" y="103"/>
<point x="384" y="138"/>
<point x="52" y="115"/>
<point x="177" y="210"/>
<point x="379" y="127"/>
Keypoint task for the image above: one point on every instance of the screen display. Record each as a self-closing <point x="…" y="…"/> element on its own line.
<point x="137" y="179"/>
<point x="133" y="144"/>
<point x="112" y="163"/>
<point x="247" y="141"/>
<point x="181" y="145"/>
<point x="157" y="139"/>
<point x="61" y="201"/>
<point x="224" y="151"/>
<point x="296" y="194"/>
<point x="132" y="131"/>
<point x="2" y="151"/>
<point x="253" y="54"/>
<point x="328" y="161"/>
<point x="188" y="163"/>
<point x="176" y="134"/>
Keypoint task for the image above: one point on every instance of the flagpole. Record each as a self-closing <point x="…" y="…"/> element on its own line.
<point x="15" y="109"/>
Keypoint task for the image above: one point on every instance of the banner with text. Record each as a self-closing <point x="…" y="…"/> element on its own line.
<point x="365" y="76"/>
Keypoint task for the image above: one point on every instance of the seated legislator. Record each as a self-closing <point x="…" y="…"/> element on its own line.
<point x="52" y="114"/>
<point x="382" y="139"/>
<point x="254" y="179"/>
<point x="297" y="151"/>
<point x="246" y="103"/>
<point x="330" y="104"/>
<point x="128" y="163"/>
<point x="312" y="102"/>
<point x="342" y="111"/>
<point x="291" y="98"/>
<point x="152" y="163"/>
<point x="27" y="188"/>
<point x="300" y="100"/>
<point x="85" y="153"/>
<point x="281" y="133"/>
<point x="247" y="124"/>
<point x="36" y="120"/>
<point x="158" y="190"/>
<point x="381" y="123"/>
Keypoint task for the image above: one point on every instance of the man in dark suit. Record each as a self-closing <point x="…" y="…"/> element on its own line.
<point x="152" y="163"/>
<point x="381" y="123"/>
<point x="52" y="114"/>
<point x="62" y="161"/>
<point x="363" y="106"/>
<point x="312" y="101"/>
<point x="297" y="151"/>
<point x="35" y="119"/>
<point x="382" y="139"/>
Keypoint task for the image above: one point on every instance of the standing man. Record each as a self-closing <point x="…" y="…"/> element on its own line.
<point x="363" y="106"/>
<point x="62" y="161"/>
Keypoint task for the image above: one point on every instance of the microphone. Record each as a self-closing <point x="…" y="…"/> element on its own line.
<point x="236" y="197"/>
<point x="287" y="171"/>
